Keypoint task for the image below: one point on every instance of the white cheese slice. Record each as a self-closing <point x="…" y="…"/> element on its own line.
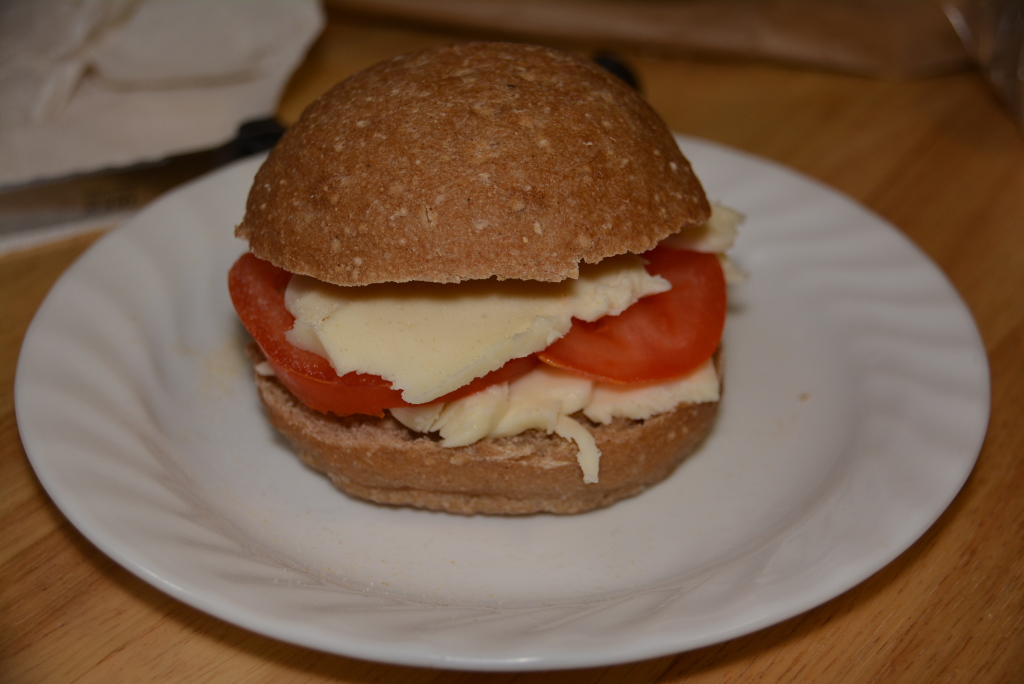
<point x="429" y="339"/>
<point x="546" y="399"/>
<point x="713" y="237"/>
<point x="639" y="402"/>
<point x="716" y="235"/>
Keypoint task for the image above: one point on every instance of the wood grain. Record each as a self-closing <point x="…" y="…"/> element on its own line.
<point x="937" y="157"/>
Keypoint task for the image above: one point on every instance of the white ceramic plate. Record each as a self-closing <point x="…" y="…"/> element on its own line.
<point x="856" y="403"/>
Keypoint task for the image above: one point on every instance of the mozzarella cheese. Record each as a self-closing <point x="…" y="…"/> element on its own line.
<point x="430" y="339"/>
<point x="715" y="236"/>
<point x="546" y="399"/>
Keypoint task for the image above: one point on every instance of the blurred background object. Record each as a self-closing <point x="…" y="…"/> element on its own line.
<point x="93" y="84"/>
<point x="993" y="33"/>
<point x="886" y="38"/>
<point x="891" y="39"/>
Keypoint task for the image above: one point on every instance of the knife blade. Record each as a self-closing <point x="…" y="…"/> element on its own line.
<point x="111" y="191"/>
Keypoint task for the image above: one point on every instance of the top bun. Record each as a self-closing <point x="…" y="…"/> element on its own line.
<point x="467" y="162"/>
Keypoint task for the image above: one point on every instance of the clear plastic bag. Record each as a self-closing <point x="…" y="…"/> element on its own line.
<point x="993" y="33"/>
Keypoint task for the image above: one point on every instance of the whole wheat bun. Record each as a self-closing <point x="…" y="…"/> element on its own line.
<point x="467" y="162"/>
<point x="380" y="460"/>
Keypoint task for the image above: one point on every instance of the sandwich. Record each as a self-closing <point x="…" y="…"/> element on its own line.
<point x="483" y="278"/>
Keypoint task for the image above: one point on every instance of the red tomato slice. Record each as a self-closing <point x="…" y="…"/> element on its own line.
<point x="257" y="292"/>
<point x="660" y="337"/>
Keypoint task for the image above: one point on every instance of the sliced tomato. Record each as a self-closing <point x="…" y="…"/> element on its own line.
<point x="257" y="292"/>
<point x="660" y="337"/>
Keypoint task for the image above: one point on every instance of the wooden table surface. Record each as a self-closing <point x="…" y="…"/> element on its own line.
<point x="938" y="158"/>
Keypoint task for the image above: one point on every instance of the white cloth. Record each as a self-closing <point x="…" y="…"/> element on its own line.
<point x="91" y="84"/>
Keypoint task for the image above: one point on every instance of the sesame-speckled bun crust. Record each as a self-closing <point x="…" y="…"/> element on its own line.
<point x="467" y="162"/>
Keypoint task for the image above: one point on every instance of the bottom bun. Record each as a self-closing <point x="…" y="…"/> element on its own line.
<point x="381" y="460"/>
